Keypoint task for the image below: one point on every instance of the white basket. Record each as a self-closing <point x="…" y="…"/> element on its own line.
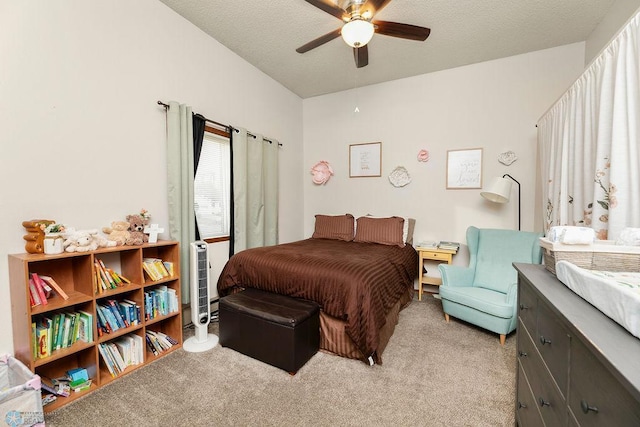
<point x="20" y="397"/>
<point x="604" y="255"/>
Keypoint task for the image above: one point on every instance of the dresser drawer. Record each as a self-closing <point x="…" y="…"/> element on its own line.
<point x="550" y="402"/>
<point x="527" y="413"/>
<point x="526" y="349"/>
<point x="552" y="340"/>
<point x="436" y="256"/>
<point x="596" y="398"/>
<point x="527" y="306"/>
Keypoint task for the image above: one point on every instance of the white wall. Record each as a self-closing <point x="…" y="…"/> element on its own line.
<point x="620" y="12"/>
<point x="494" y="105"/>
<point x="82" y="139"/>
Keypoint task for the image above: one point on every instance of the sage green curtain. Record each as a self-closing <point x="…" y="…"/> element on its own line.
<point x="182" y="223"/>
<point x="255" y="191"/>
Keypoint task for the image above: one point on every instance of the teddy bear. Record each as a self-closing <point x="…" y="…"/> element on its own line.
<point x="79" y="241"/>
<point x="118" y="232"/>
<point x="136" y="228"/>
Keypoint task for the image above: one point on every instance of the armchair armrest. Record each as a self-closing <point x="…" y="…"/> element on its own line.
<point x="455" y="275"/>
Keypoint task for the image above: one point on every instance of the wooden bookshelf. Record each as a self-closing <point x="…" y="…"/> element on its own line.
<point x="75" y="273"/>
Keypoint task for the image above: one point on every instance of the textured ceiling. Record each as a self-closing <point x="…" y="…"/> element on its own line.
<point x="267" y="33"/>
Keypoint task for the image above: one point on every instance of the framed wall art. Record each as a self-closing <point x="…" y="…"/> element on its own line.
<point x="365" y="160"/>
<point x="464" y="169"/>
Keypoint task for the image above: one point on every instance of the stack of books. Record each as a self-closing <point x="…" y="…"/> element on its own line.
<point x="159" y="342"/>
<point x="451" y="246"/>
<point x="60" y="331"/>
<point x="41" y="288"/>
<point x="106" y="278"/>
<point x="157" y="269"/>
<point x="122" y="353"/>
<point x="160" y="301"/>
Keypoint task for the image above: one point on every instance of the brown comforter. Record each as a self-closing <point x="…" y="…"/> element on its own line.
<point x="355" y="282"/>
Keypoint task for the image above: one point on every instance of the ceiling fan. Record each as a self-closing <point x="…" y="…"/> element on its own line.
<point x="359" y="27"/>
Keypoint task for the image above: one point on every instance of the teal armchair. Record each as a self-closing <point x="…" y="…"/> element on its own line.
<point x="485" y="293"/>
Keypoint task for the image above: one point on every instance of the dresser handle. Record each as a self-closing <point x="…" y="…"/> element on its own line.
<point x="543" y="402"/>
<point x="524" y="307"/>
<point x="522" y="354"/>
<point x="521" y="405"/>
<point x="586" y="408"/>
<point x="544" y="340"/>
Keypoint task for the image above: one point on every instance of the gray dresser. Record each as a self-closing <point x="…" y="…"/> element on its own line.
<point x="576" y="366"/>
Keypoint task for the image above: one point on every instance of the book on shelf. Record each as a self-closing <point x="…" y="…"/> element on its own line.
<point x="42" y="341"/>
<point x="107" y="359"/>
<point x="56" y="287"/>
<point x="108" y="319"/>
<point x="169" y="267"/>
<point x="33" y="292"/>
<point x="37" y="292"/>
<point x="85" y="329"/>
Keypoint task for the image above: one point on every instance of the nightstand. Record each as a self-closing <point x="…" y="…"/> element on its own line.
<point x="431" y="254"/>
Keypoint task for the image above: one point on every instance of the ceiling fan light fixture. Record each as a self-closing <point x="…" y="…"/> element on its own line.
<point x="357" y="32"/>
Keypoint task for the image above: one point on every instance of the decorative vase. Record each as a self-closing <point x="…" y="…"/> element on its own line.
<point x="53" y="243"/>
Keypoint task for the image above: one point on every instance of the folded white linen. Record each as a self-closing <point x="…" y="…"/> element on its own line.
<point x="629" y="237"/>
<point x="571" y="235"/>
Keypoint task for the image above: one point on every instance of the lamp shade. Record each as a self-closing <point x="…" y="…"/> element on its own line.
<point x="498" y="191"/>
<point x="357" y="32"/>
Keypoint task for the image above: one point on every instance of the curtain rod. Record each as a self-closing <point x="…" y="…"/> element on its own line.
<point x="254" y="137"/>
<point x="224" y="126"/>
<point x="207" y="120"/>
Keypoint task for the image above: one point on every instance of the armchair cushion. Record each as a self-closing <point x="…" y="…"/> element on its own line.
<point x="485" y="300"/>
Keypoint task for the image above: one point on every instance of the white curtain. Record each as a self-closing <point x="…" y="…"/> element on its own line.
<point x="255" y="191"/>
<point x="182" y="224"/>
<point x="589" y="147"/>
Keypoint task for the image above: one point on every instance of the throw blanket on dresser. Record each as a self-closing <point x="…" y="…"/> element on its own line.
<point x="355" y="282"/>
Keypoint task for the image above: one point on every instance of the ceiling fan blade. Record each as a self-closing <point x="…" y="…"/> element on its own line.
<point x="404" y="31"/>
<point x="319" y="41"/>
<point x="330" y="8"/>
<point x="373" y="6"/>
<point x="361" y="55"/>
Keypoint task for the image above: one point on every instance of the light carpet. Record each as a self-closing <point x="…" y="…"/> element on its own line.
<point x="433" y="374"/>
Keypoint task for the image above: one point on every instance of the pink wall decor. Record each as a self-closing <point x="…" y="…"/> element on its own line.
<point x="321" y="172"/>
<point x="423" y="156"/>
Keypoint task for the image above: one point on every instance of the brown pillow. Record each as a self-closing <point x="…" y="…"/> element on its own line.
<point x="338" y="227"/>
<point x="385" y="231"/>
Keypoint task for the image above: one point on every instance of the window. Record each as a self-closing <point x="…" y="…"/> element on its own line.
<point x="212" y="186"/>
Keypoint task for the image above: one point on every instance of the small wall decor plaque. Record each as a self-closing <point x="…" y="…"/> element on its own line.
<point x="423" y="156"/>
<point x="507" y="157"/>
<point x="399" y="177"/>
<point x="321" y="172"/>
<point x="365" y="160"/>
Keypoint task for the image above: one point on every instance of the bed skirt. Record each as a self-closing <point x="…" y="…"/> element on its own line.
<point x="334" y="340"/>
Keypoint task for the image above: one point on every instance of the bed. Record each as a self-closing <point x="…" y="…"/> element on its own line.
<point x="360" y="284"/>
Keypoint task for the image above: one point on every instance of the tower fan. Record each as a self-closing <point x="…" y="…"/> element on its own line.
<point x="200" y="312"/>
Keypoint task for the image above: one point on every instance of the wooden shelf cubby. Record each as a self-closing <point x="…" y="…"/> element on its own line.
<point x="75" y="274"/>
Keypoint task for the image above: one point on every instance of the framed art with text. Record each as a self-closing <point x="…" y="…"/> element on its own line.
<point x="464" y="169"/>
<point x="365" y="160"/>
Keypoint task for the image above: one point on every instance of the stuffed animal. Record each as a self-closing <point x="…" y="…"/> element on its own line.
<point x="136" y="228"/>
<point x="118" y="232"/>
<point x="79" y="241"/>
<point x="102" y="241"/>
